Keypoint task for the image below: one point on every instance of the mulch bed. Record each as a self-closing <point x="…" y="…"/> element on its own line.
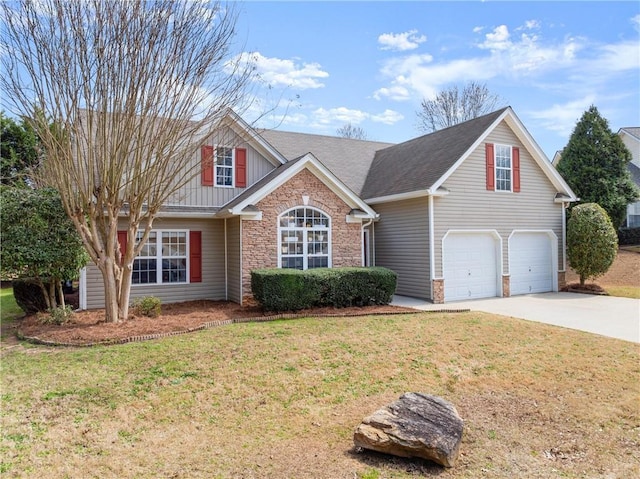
<point x="587" y="288"/>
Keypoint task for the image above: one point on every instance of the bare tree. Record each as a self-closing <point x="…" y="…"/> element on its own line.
<point x="131" y="87"/>
<point x="350" y="131"/>
<point x="452" y="106"/>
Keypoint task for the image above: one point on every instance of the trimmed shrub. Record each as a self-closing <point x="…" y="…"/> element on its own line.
<point x="293" y="290"/>
<point x="592" y="243"/>
<point x="58" y="315"/>
<point x="28" y="295"/>
<point x="148" y="306"/>
<point x="629" y="236"/>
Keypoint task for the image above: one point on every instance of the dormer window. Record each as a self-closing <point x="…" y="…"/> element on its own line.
<point x="224" y="166"/>
<point x="503" y="167"/>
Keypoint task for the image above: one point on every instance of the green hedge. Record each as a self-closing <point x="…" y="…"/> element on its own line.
<point x="28" y="295"/>
<point x="629" y="236"/>
<point x="291" y="289"/>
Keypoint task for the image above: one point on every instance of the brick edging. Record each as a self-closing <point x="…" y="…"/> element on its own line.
<point x="215" y="324"/>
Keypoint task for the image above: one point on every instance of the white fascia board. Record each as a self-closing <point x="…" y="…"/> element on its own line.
<point x="246" y="131"/>
<point x="398" y="197"/>
<point x="529" y="143"/>
<point x="321" y="172"/>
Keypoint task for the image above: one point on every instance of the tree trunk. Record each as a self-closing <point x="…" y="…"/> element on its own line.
<point x="60" y="293"/>
<point x="582" y="279"/>
<point x="111" y="307"/>
<point x="45" y="293"/>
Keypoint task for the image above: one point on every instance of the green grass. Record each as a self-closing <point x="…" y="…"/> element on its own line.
<point x="281" y="399"/>
<point x="8" y="307"/>
<point x="623" y="291"/>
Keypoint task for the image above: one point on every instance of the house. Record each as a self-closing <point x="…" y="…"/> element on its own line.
<point x="475" y="210"/>
<point x="631" y="138"/>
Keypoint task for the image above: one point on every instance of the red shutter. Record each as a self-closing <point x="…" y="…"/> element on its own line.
<point x="491" y="171"/>
<point x="241" y="168"/>
<point x="516" y="169"/>
<point x="122" y="241"/>
<point x="195" y="256"/>
<point x="206" y="153"/>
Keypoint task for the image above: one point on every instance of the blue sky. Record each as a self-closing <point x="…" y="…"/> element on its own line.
<point x="371" y="63"/>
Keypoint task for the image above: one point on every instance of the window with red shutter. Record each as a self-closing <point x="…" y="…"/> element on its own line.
<point x="490" y="161"/>
<point x="241" y="168"/>
<point x="195" y="256"/>
<point x="516" y="169"/>
<point x="206" y="154"/>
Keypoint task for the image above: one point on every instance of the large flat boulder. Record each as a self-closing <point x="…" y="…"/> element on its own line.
<point x="416" y="425"/>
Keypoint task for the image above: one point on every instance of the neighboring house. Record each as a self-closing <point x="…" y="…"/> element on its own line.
<point x="475" y="210"/>
<point x="631" y="139"/>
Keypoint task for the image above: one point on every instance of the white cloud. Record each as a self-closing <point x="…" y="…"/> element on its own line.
<point x="635" y="21"/>
<point x="340" y="114"/>
<point x="401" y="41"/>
<point x="277" y="72"/>
<point x="498" y="39"/>
<point x="397" y="93"/>
<point x="388" y="117"/>
<point x="562" y="118"/>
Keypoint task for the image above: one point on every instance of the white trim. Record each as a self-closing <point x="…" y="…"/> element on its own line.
<point x="432" y="251"/>
<point x="398" y="197"/>
<point x="241" y="265"/>
<point x="226" y="262"/>
<point x="498" y="246"/>
<point x="554" y="252"/>
<point x="243" y="129"/>
<point x="311" y="163"/>
<point x="82" y="289"/>
<point x="528" y="142"/>
<point x="304" y="229"/>
<point x="216" y="166"/>
<point x="159" y="257"/>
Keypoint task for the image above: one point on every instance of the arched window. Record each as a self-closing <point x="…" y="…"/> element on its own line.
<point x="304" y="239"/>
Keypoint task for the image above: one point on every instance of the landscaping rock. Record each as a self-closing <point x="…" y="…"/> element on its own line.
<point x="416" y="425"/>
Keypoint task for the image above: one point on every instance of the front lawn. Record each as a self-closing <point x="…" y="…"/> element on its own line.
<point x="8" y="308"/>
<point x="281" y="399"/>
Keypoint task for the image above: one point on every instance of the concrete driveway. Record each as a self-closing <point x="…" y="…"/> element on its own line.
<point x="605" y="315"/>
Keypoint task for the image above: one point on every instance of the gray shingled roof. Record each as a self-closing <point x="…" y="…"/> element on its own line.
<point x="259" y="184"/>
<point x="417" y="164"/>
<point x="346" y="158"/>
<point x="633" y="131"/>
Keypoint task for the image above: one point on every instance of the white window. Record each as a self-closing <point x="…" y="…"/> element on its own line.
<point x="163" y="258"/>
<point x="503" y="168"/>
<point x="304" y="239"/>
<point x="633" y="215"/>
<point x="224" y="166"/>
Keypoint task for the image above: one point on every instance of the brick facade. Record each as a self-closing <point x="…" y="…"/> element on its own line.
<point x="438" y="291"/>
<point x="506" y="286"/>
<point x="260" y="237"/>
<point x="562" y="280"/>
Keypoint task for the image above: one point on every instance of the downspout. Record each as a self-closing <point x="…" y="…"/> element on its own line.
<point x="432" y="253"/>
<point x="363" y="253"/>
<point x="82" y="286"/>
<point x="241" y="267"/>
<point x="226" y="263"/>
<point x="564" y="236"/>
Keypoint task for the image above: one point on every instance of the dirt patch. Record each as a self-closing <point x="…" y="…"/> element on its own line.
<point x="89" y="327"/>
<point x="625" y="271"/>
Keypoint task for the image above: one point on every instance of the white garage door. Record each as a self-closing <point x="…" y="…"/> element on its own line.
<point x="470" y="270"/>
<point x="530" y="263"/>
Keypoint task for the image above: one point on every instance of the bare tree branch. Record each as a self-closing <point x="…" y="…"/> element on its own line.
<point x="131" y="88"/>
<point x="452" y="106"/>
<point x="350" y="131"/>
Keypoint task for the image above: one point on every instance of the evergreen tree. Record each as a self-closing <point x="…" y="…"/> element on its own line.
<point x="18" y="151"/>
<point x="594" y="164"/>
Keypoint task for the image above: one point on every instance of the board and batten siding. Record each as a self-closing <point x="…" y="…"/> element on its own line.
<point x="469" y="205"/>
<point x="195" y="194"/>
<point x="212" y="286"/>
<point x="401" y="242"/>
<point x="234" y="278"/>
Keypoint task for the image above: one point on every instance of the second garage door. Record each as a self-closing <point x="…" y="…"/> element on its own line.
<point x="530" y="263"/>
<point x="470" y="266"/>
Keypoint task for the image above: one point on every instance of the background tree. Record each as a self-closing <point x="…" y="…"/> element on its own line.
<point x="592" y="242"/>
<point x="594" y="164"/>
<point x="39" y="241"/>
<point x="131" y="88"/>
<point x="18" y="151"/>
<point x="350" y="131"/>
<point x="452" y="106"/>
